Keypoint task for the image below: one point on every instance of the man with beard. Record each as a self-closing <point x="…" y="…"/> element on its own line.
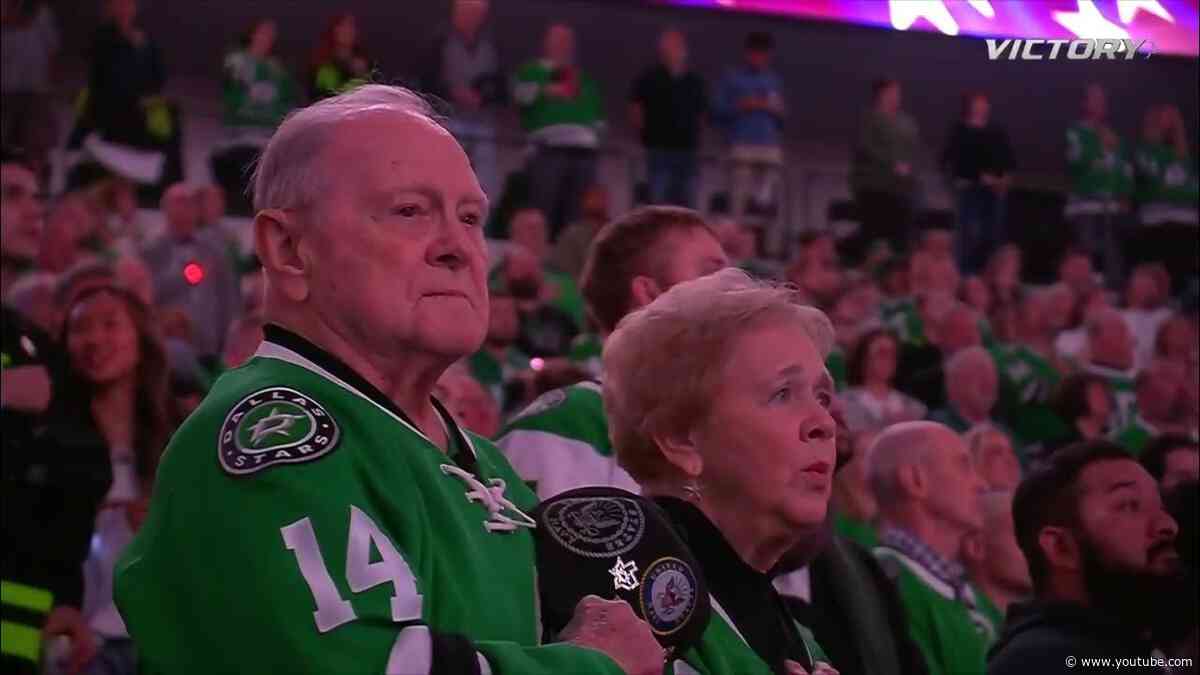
<point x="1101" y="554"/>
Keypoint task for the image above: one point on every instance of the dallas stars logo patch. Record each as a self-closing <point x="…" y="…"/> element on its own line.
<point x="275" y="426"/>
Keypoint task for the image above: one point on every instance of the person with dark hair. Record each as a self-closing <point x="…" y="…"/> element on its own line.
<point x="339" y="62"/>
<point x="1172" y="459"/>
<point x="257" y="92"/>
<point x="883" y="176"/>
<point x="30" y="45"/>
<point x="563" y="115"/>
<point x="462" y="67"/>
<point x="872" y="401"/>
<point x="1161" y="407"/>
<point x="979" y="162"/>
<point x="1101" y="553"/>
<point x="749" y="105"/>
<point x="667" y="106"/>
<point x="1084" y="406"/>
<point x="561" y="441"/>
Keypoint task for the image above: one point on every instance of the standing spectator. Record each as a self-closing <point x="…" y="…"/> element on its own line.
<point x="570" y="251"/>
<point x="258" y="92"/>
<point x="562" y="112"/>
<point x="872" y="402"/>
<point x="463" y="67"/>
<point x="994" y="559"/>
<point x="1101" y="554"/>
<point x="883" y="176"/>
<point x="749" y="105"/>
<point x="191" y="270"/>
<point x="971" y="390"/>
<point x="1172" y="459"/>
<point x="27" y="54"/>
<point x="667" y="108"/>
<point x="1161" y="407"/>
<point x="979" y="161"/>
<point x="1101" y="182"/>
<point x="928" y="494"/>
<point x="134" y="123"/>
<point x="339" y="61"/>
<point x="1165" y="176"/>
<point x="118" y="374"/>
<point x="993" y="456"/>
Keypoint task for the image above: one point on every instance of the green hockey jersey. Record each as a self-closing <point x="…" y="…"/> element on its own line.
<point x="1135" y="435"/>
<point x="301" y="524"/>
<point x="1026" y="379"/>
<point x="560" y="442"/>
<point x="1121" y="383"/>
<point x="1167" y="185"/>
<point x="1098" y="175"/>
<point x="952" y="635"/>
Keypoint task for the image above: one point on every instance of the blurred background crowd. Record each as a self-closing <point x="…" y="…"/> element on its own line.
<point x="130" y="283"/>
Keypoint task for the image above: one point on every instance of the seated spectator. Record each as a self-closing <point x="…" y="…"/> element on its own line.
<point x="528" y="229"/>
<point x="853" y="503"/>
<point x="1172" y="459"/>
<point x="131" y="272"/>
<point x="993" y="456"/>
<point x="816" y="271"/>
<point x="938" y="243"/>
<point x="1110" y="356"/>
<point x="192" y="271"/>
<point x="547" y="329"/>
<point x="977" y="295"/>
<point x="979" y="160"/>
<point x="854" y="312"/>
<point x="22" y="222"/>
<point x="971" y="390"/>
<point x="571" y="247"/>
<point x="562" y="441"/>
<point x="62" y="243"/>
<point x="1146" y="297"/>
<point x="749" y="106"/>
<point x="339" y="62"/>
<point x="667" y="106"/>
<point x="562" y="112"/>
<point x="32" y="296"/>
<point x="1071" y="344"/>
<point x="1177" y="630"/>
<point x="118" y="372"/>
<point x="1084" y="404"/>
<point x="1076" y="271"/>
<point x="1161" y="407"/>
<point x="872" y="402"/>
<point x="470" y="403"/>
<point x="928" y="493"/>
<point x="1177" y="342"/>
<point x="883" y="178"/>
<point x="1003" y="276"/>
<point x="1029" y="371"/>
<point x="994" y="560"/>
<point x="498" y="360"/>
<point x="1101" y="554"/>
<point x="948" y="327"/>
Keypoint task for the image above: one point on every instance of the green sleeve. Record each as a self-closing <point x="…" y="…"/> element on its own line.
<point x="1083" y="149"/>
<point x="592" y="101"/>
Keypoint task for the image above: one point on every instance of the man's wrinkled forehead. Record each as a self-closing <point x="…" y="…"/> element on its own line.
<point x="1107" y="477"/>
<point x="383" y="144"/>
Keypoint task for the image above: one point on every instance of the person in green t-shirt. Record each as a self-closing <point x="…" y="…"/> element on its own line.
<point x="928" y="493"/>
<point x="339" y="62"/>
<point x="995" y="562"/>
<point x="561" y="440"/>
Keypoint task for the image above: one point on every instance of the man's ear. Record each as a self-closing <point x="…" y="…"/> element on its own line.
<point x="278" y="245"/>
<point x="1061" y="549"/>
<point x="644" y="290"/>
<point x="913" y="481"/>
<point x="681" y="451"/>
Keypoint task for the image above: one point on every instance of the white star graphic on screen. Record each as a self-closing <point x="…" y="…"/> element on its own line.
<point x="984" y="7"/>
<point x="1088" y="22"/>
<point x="904" y="13"/>
<point x="1128" y="9"/>
<point x="624" y="575"/>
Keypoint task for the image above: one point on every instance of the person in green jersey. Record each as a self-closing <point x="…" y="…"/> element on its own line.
<point x="1101" y="182"/>
<point x="718" y="403"/>
<point x="1167" y="188"/>
<point x="994" y="561"/>
<point x="1028" y="369"/>
<point x="1101" y="553"/>
<point x="321" y="512"/>
<point x="561" y="440"/>
<point x="971" y="390"/>
<point x="1161" y="406"/>
<point x="1110" y="356"/>
<point x="928" y="494"/>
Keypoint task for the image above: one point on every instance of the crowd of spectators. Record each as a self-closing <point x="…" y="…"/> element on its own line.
<point x="118" y="317"/>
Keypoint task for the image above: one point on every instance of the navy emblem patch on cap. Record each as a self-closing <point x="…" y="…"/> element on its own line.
<point x="275" y="426"/>
<point x="668" y="595"/>
<point x="594" y="527"/>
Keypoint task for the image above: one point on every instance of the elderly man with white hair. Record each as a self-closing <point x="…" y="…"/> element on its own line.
<point x="1110" y="356"/>
<point x="321" y="511"/>
<point x="971" y="390"/>
<point x="928" y="494"/>
<point x="718" y="406"/>
<point x="994" y="559"/>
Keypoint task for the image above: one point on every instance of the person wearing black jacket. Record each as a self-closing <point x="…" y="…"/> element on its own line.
<point x="1101" y="552"/>
<point x="979" y="161"/>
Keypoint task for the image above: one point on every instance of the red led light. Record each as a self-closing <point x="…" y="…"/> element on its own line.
<point x="193" y="273"/>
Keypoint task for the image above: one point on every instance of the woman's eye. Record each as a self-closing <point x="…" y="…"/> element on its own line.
<point x="825" y="399"/>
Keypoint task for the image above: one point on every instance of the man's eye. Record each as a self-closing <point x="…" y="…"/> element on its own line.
<point x="782" y="395"/>
<point x="407" y="211"/>
<point x="1130" y="505"/>
<point x="471" y="218"/>
<point x="825" y="399"/>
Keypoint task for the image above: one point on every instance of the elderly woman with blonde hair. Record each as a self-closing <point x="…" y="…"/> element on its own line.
<point x="718" y="404"/>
